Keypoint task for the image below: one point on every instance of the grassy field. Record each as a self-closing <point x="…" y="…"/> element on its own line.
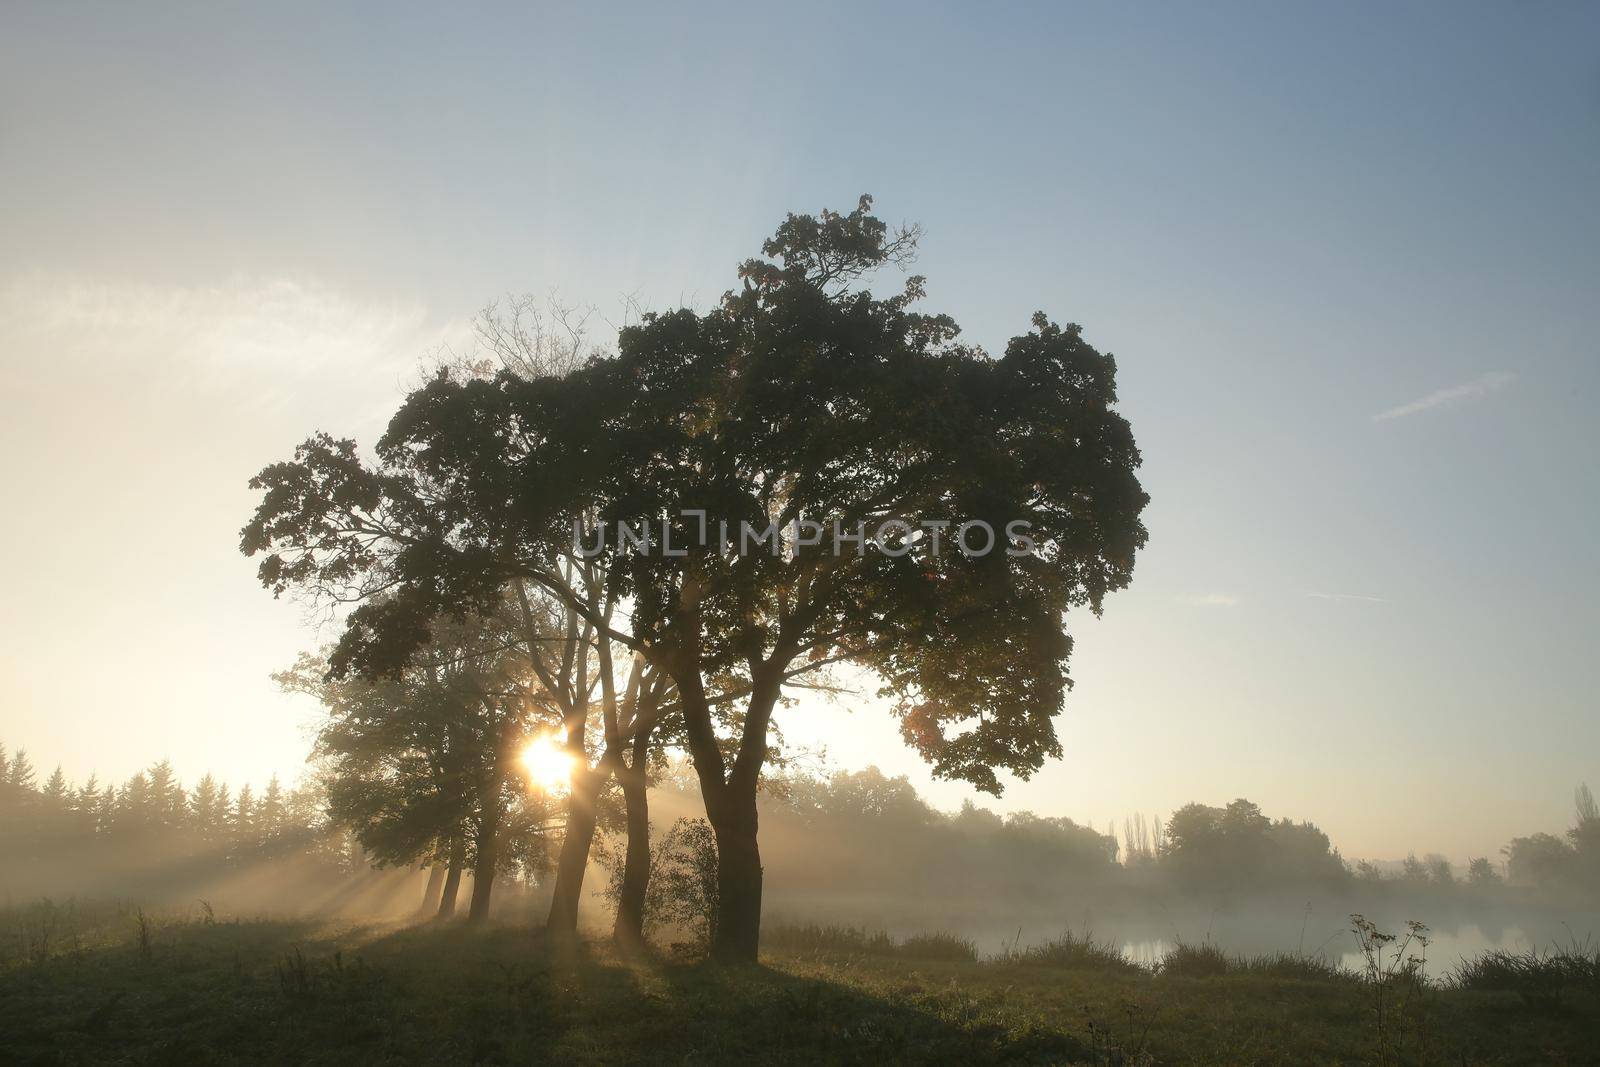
<point x="118" y="986"/>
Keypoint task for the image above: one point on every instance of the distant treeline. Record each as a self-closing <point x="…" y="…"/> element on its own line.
<point x="863" y="832"/>
<point x="151" y="806"/>
<point x="151" y="836"/>
<point x="878" y="834"/>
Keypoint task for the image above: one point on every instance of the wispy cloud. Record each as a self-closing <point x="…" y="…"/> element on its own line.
<point x="1350" y="596"/>
<point x="1210" y="600"/>
<point x="291" y="350"/>
<point x="1476" y="389"/>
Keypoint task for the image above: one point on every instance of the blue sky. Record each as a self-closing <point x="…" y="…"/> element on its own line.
<point x="224" y="228"/>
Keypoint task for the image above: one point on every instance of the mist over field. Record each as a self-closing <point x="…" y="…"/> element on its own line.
<point x="855" y="851"/>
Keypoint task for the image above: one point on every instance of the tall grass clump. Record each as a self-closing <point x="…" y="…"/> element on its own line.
<point x="1297" y="967"/>
<point x="1072" y="951"/>
<point x="815" y="937"/>
<point x="35" y="932"/>
<point x="1185" y="960"/>
<point x="1208" y="961"/>
<point x="1538" y="977"/>
<point x="938" y="946"/>
<point x="830" y="937"/>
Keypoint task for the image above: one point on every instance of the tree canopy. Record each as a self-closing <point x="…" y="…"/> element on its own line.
<point x="800" y="403"/>
<point x="796" y="398"/>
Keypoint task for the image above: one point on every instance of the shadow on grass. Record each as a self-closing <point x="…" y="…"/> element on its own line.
<point x="757" y="1014"/>
<point x="271" y="991"/>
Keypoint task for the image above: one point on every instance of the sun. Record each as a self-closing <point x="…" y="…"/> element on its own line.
<point x="548" y="763"/>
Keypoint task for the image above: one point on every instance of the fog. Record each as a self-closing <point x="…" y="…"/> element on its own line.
<point x="1018" y="881"/>
<point x="859" y="850"/>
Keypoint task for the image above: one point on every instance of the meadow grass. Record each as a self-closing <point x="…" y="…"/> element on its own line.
<point x="106" y="987"/>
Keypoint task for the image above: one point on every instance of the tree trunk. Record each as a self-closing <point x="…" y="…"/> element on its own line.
<point x="574" y="860"/>
<point x="629" y="929"/>
<point x="483" y="869"/>
<point x="482" y="883"/>
<point x="452" y="881"/>
<point x="430" y="895"/>
<point x="730" y="800"/>
<point x="737" y="937"/>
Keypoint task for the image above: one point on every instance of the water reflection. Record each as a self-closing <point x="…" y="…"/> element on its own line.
<point x="1145" y="939"/>
<point x="1445" y="948"/>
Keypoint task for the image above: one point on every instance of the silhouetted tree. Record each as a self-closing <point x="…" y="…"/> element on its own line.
<point x="1237" y="848"/>
<point x="1441" y="872"/>
<point x="428" y="757"/>
<point x="1585" y="838"/>
<point x="269" y="813"/>
<point x="1367" y="871"/>
<point x="87" y="807"/>
<point x="150" y="832"/>
<point x="644" y="714"/>
<point x="55" y="790"/>
<point x="165" y="802"/>
<point x="799" y="398"/>
<point x="1538" y="860"/>
<point x="332" y="547"/>
<point x="1481" y="874"/>
<point x="20" y="773"/>
<point x="243" y="823"/>
<point x="208" y="808"/>
<point x="1414" y="871"/>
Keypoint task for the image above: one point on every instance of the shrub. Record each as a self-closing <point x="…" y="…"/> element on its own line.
<point x="682" y="892"/>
